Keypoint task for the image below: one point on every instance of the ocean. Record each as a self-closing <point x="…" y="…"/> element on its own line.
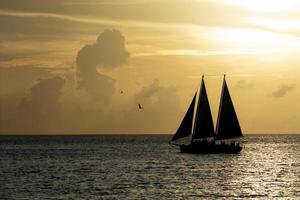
<point x="145" y="167"/>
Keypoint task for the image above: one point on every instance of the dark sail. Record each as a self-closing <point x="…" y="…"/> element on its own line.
<point x="227" y="125"/>
<point x="185" y="128"/>
<point x="203" y="125"/>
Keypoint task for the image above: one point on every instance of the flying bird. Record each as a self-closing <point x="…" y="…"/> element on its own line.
<point x="121" y="91"/>
<point x="140" y="106"/>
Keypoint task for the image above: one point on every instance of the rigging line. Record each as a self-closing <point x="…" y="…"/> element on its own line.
<point x="237" y="75"/>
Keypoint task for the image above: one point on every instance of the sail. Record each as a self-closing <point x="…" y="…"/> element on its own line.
<point x="185" y="128"/>
<point x="227" y="125"/>
<point x="203" y="125"/>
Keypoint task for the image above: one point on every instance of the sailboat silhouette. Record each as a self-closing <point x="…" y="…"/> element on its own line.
<point x="197" y="125"/>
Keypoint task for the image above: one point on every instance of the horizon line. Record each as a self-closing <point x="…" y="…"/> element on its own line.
<point x="132" y="134"/>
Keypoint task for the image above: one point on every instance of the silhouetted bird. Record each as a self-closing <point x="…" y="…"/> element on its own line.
<point x="140" y="106"/>
<point x="121" y="92"/>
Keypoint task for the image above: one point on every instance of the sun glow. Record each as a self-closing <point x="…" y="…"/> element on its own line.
<point x="277" y="25"/>
<point x="252" y="39"/>
<point x="266" y="5"/>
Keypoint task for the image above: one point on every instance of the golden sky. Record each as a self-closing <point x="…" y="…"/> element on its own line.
<point x="63" y="63"/>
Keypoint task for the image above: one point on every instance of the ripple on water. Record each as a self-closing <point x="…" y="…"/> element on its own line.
<point x="146" y="167"/>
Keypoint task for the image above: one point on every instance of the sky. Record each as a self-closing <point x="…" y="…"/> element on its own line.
<point x="64" y="63"/>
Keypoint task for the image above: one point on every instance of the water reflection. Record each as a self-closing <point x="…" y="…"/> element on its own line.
<point x="146" y="168"/>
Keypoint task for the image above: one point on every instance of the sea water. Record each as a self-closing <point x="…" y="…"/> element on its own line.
<point x="145" y="167"/>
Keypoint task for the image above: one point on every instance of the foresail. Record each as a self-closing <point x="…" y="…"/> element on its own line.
<point x="227" y="125"/>
<point x="203" y="125"/>
<point x="185" y="128"/>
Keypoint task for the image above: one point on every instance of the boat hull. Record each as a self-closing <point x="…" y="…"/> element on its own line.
<point x="210" y="148"/>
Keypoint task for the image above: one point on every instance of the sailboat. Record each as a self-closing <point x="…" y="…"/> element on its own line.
<point x="197" y="125"/>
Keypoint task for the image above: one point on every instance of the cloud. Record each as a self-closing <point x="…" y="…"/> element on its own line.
<point x="56" y="105"/>
<point x="14" y="84"/>
<point x="108" y="52"/>
<point x="283" y="90"/>
<point x="40" y="112"/>
<point x="155" y="15"/>
<point x="195" y="52"/>
<point x="100" y="87"/>
<point x="141" y="14"/>
<point x="92" y="20"/>
<point x="160" y="110"/>
<point x="16" y="80"/>
<point x="241" y="84"/>
<point x="110" y="2"/>
<point x="8" y="56"/>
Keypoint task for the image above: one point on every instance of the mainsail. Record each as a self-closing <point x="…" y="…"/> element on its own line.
<point x="227" y="124"/>
<point x="185" y="127"/>
<point x="203" y="125"/>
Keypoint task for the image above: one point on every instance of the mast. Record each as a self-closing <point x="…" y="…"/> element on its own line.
<point x="203" y="125"/>
<point x="227" y="124"/>
<point x="185" y="128"/>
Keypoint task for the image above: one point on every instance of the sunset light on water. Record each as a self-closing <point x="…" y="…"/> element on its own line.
<point x="149" y="99"/>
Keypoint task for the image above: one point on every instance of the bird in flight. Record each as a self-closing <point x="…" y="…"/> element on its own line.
<point x="121" y="91"/>
<point x="140" y="106"/>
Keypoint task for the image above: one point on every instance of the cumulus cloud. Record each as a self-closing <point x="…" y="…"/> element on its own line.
<point x="241" y="84"/>
<point x="56" y="105"/>
<point x="107" y="52"/>
<point x="15" y="84"/>
<point x="40" y="112"/>
<point x="15" y="80"/>
<point x="283" y="90"/>
<point x="160" y="109"/>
